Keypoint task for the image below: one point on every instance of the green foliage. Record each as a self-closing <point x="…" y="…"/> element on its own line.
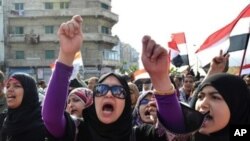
<point x="130" y="70"/>
<point x="174" y="71"/>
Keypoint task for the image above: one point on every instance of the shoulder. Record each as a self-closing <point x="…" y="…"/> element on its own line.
<point x="147" y="132"/>
<point x="69" y="132"/>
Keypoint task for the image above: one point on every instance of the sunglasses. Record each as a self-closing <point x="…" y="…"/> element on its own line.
<point x="102" y="90"/>
<point x="144" y="101"/>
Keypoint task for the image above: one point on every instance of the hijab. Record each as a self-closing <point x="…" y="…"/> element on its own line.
<point x="84" y="94"/>
<point x="93" y="129"/>
<point x="136" y="113"/>
<point x="235" y="93"/>
<point x="28" y="115"/>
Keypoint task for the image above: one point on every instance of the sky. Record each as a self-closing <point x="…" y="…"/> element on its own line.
<point x="160" y="18"/>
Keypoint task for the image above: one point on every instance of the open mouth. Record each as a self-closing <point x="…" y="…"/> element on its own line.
<point x="147" y="113"/>
<point x="108" y="108"/>
<point x="73" y="111"/>
<point x="208" y="117"/>
<point x="11" y="97"/>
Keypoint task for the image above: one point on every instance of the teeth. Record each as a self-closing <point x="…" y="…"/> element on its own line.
<point x="107" y="112"/>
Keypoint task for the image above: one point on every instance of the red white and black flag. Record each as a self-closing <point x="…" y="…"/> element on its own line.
<point x="232" y="39"/>
<point x="178" y="50"/>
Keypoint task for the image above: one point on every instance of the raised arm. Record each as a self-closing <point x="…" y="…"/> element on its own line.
<point x="71" y="37"/>
<point x="156" y="62"/>
<point x="218" y="64"/>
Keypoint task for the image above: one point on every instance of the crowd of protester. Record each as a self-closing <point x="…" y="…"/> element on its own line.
<point x="183" y="107"/>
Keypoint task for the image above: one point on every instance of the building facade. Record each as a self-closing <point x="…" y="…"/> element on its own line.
<point x="32" y="44"/>
<point x="1" y="35"/>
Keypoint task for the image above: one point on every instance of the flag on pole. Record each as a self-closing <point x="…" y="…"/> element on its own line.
<point x="178" y="50"/>
<point x="232" y="39"/>
<point x="245" y="69"/>
<point x="246" y="64"/>
<point x="175" y="54"/>
<point x="77" y="64"/>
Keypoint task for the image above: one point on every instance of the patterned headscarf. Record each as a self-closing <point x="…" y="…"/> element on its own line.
<point x="85" y="94"/>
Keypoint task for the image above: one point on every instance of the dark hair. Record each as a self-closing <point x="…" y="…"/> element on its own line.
<point x="41" y="82"/>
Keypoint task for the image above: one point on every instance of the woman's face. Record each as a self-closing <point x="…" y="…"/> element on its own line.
<point x="146" y="115"/>
<point x="108" y="107"/>
<point x="75" y="105"/>
<point x="14" y="93"/>
<point x="209" y="100"/>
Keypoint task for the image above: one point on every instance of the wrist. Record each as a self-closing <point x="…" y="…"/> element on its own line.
<point x="169" y="91"/>
<point x="67" y="60"/>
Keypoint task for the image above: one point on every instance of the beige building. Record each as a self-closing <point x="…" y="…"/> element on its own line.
<point x="31" y="41"/>
<point x="1" y="35"/>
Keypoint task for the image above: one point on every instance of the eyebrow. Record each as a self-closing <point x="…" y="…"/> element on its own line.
<point x="210" y="93"/>
<point x="14" y="81"/>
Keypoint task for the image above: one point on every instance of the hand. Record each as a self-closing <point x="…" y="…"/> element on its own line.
<point x="154" y="57"/>
<point x="219" y="63"/>
<point x="156" y="62"/>
<point x="71" y="37"/>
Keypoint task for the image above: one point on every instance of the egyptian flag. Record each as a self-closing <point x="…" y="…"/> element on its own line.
<point x="77" y="64"/>
<point x="178" y="50"/>
<point x="245" y="69"/>
<point x="232" y="39"/>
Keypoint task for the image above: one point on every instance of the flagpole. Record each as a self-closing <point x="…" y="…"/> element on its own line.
<point x="187" y="55"/>
<point x="244" y="54"/>
<point x="187" y="51"/>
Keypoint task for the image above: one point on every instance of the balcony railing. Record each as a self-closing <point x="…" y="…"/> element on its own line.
<point x="64" y="12"/>
<point x="54" y="38"/>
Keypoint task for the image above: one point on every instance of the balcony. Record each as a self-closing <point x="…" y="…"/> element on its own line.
<point x="100" y="37"/>
<point x="54" y="38"/>
<point x="29" y="61"/>
<point x="65" y="12"/>
<point x="114" y="63"/>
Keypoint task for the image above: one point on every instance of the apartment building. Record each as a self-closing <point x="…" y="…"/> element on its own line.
<point x="1" y="35"/>
<point x="32" y="44"/>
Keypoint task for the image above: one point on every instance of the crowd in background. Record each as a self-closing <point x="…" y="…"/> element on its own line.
<point x="70" y="110"/>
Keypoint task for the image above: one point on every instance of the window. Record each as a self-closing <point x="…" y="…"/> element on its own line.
<point x="111" y="55"/>
<point x="19" y="54"/>
<point x="104" y="6"/>
<point x="49" y="54"/>
<point x="64" y="5"/>
<point x="18" y="6"/>
<point x="105" y="30"/>
<point x="49" y="29"/>
<point x="17" y="30"/>
<point x="48" y="5"/>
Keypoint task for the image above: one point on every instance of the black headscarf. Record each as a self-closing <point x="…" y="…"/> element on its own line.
<point x="28" y="115"/>
<point x="234" y="91"/>
<point x="94" y="130"/>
